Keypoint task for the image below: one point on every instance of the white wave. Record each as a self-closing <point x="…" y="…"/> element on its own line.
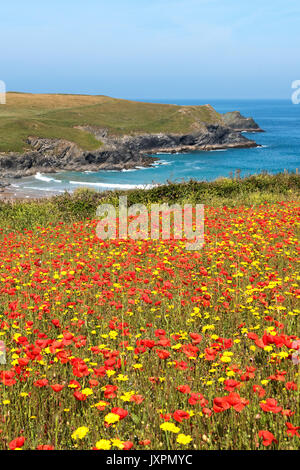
<point x="34" y="188"/>
<point x="15" y="186"/>
<point x="131" y="169"/>
<point x="165" y="153"/>
<point x="161" y="162"/>
<point x="47" y="179"/>
<point x="114" y="185"/>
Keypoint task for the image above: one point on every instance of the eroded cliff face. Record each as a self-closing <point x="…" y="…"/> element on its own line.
<point x="117" y="153"/>
<point x="237" y="122"/>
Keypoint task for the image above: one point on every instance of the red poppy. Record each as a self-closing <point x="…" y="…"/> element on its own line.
<point x="45" y="447"/>
<point x="184" y="388"/>
<point x="291" y="386"/>
<point x="120" y="412"/>
<point x="238" y="403"/>
<point x="292" y="430"/>
<point x="166" y="417"/>
<point x="267" y="438"/>
<point x="206" y="411"/>
<point x="270" y="405"/>
<point x="57" y="387"/>
<point x="110" y="391"/>
<point x="145" y="442"/>
<point x="231" y="384"/>
<point x="17" y="443"/>
<point x="179" y="415"/>
<point x="162" y="353"/>
<point x="127" y="445"/>
<point x="79" y="396"/>
<point x="138" y="399"/>
<point x="220" y="404"/>
<point x="259" y="390"/>
<point x="41" y="383"/>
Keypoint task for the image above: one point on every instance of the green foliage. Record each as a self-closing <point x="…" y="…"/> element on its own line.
<point x="83" y="202"/>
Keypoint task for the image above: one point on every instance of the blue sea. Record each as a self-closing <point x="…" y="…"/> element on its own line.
<point x="280" y="150"/>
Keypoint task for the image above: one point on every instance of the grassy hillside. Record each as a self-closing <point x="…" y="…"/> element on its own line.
<point x="56" y="116"/>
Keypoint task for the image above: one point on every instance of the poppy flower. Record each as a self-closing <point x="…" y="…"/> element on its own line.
<point x="166" y="417"/>
<point x="145" y="442"/>
<point x="57" y="387"/>
<point x="259" y="390"/>
<point x="79" y="396"/>
<point x="17" y="443"/>
<point x="238" y="403"/>
<point x="220" y="404"/>
<point x="138" y="399"/>
<point x="267" y="438"/>
<point x="120" y="412"/>
<point x="162" y="353"/>
<point x="45" y="447"/>
<point x="127" y="445"/>
<point x="292" y="430"/>
<point x="231" y="384"/>
<point x="179" y="415"/>
<point x="291" y="386"/>
<point x="197" y="397"/>
<point x="184" y="388"/>
<point x="41" y="383"/>
<point x="270" y="405"/>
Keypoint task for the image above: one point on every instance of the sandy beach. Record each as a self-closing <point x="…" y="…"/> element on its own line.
<point x="9" y="193"/>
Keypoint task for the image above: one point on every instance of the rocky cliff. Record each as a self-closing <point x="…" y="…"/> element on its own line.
<point x="129" y="151"/>
<point x="237" y="122"/>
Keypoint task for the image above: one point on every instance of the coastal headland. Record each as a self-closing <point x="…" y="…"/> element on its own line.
<point x="54" y="132"/>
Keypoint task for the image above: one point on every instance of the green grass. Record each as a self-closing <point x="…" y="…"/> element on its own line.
<point x="55" y="116"/>
<point x="82" y="204"/>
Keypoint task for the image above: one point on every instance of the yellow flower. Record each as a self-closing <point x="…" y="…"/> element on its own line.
<point x="103" y="444"/>
<point x="127" y="396"/>
<point x="122" y="378"/>
<point x="183" y="439"/>
<point x="169" y="427"/>
<point x="111" y="418"/>
<point x="225" y="359"/>
<point x="87" y="391"/>
<point x="110" y="372"/>
<point x="117" y="443"/>
<point x="80" y="433"/>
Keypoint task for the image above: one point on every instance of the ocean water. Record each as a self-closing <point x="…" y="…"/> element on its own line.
<point x="280" y="150"/>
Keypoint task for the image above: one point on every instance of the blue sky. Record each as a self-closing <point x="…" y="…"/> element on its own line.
<point x="151" y="48"/>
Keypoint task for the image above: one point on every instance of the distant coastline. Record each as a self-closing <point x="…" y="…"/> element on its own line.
<point x="123" y="146"/>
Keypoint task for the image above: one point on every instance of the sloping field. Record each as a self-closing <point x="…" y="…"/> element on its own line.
<point x="56" y="116"/>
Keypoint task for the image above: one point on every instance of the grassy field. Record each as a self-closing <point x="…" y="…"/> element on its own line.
<point x="141" y="344"/>
<point x="56" y="116"/>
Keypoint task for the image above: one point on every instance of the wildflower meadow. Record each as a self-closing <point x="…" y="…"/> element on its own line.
<point x="142" y="344"/>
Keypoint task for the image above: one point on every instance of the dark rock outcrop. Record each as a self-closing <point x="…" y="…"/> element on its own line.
<point x="237" y="122"/>
<point x="118" y="153"/>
